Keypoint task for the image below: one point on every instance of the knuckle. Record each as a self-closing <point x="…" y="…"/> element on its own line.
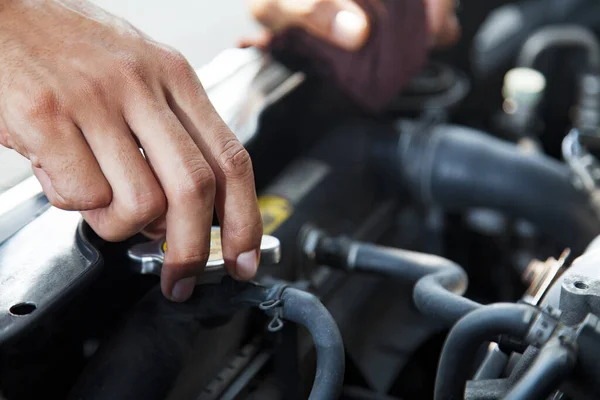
<point x="41" y="105"/>
<point x="180" y="72"/>
<point x="234" y="160"/>
<point x="249" y="231"/>
<point x="70" y="202"/>
<point x="192" y="256"/>
<point x="92" y="197"/>
<point x="132" y="67"/>
<point x="94" y="88"/>
<point x="177" y="64"/>
<point x="145" y="208"/>
<point x="198" y="182"/>
<point x="100" y="197"/>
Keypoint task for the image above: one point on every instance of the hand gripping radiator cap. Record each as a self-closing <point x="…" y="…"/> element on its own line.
<point x="149" y="257"/>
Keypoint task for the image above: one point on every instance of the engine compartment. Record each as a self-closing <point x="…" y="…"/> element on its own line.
<point x="451" y="240"/>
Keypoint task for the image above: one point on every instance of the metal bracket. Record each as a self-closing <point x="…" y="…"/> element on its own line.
<point x="543" y="327"/>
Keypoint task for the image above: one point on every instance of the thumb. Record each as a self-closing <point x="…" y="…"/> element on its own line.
<point x="340" y="22"/>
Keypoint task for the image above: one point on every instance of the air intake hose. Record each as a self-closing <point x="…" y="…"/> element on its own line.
<point x="460" y="168"/>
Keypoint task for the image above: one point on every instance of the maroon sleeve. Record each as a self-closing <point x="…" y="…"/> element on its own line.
<point x="372" y="77"/>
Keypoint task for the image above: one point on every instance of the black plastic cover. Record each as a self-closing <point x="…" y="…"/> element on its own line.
<point x="41" y="266"/>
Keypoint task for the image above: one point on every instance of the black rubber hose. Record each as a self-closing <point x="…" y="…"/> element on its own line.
<point x="553" y="364"/>
<point x="305" y="309"/>
<point x="145" y="355"/>
<point x="437" y="296"/>
<point x="459" y="168"/>
<point x="560" y="36"/>
<point x="507" y="27"/>
<point x="468" y="334"/>
<point x="440" y="282"/>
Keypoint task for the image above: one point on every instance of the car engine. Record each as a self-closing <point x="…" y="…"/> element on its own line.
<point x="448" y="248"/>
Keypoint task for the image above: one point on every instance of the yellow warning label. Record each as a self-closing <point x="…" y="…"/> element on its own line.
<point x="275" y="211"/>
<point x="216" y="248"/>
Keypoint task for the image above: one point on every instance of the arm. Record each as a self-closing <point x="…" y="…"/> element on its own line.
<point x="371" y="48"/>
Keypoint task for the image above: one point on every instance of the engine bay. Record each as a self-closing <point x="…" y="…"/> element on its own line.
<point x="447" y="249"/>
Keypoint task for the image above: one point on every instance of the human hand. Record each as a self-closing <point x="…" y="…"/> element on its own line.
<point x="343" y="22"/>
<point x="82" y="91"/>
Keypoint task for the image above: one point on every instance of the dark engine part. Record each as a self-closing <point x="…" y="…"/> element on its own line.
<point x="437" y="86"/>
<point x="575" y="292"/>
<point x="560" y="36"/>
<point x="562" y="336"/>
<point x="462" y="343"/>
<point x="458" y="168"/>
<point x="552" y="365"/>
<point x="565" y="344"/>
<point x="507" y="28"/>
<point x="152" y="346"/>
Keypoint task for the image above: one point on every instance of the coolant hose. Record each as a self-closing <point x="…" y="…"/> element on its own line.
<point x="146" y="355"/>
<point x="460" y="168"/>
<point x="438" y="295"/>
<point x="305" y="309"/>
<point x="552" y="365"/>
<point x="440" y="282"/>
<point x="468" y="334"/>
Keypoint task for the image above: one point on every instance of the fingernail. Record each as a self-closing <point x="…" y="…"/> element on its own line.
<point x="246" y="265"/>
<point x="349" y="28"/>
<point x="183" y="289"/>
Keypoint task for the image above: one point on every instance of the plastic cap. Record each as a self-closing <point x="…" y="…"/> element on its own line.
<point x="524" y="86"/>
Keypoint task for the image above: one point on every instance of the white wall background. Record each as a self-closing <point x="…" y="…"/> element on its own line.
<point x="200" y="29"/>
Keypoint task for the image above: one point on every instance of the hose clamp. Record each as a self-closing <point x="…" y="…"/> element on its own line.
<point x="273" y="307"/>
<point x="543" y="327"/>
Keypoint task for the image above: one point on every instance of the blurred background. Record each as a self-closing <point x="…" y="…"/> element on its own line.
<point x="199" y="29"/>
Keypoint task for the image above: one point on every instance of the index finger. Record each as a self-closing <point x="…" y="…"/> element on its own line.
<point x="189" y="185"/>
